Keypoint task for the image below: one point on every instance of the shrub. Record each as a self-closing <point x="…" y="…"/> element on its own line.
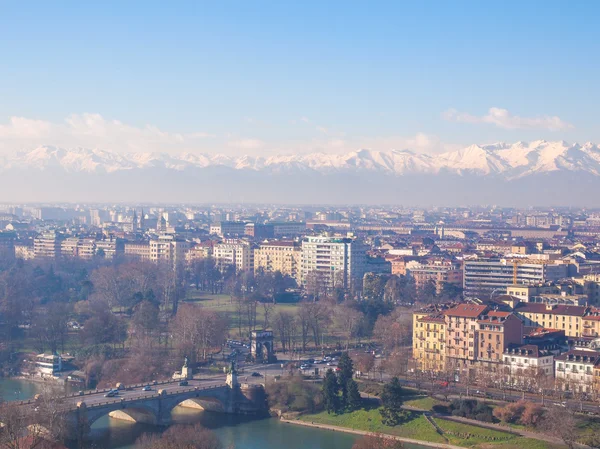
<point x="472" y="409"/>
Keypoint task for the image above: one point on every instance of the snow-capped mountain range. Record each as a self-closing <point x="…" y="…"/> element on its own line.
<point x="510" y="161"/>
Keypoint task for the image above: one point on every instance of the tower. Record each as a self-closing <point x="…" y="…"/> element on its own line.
<point x="134" y="222"/>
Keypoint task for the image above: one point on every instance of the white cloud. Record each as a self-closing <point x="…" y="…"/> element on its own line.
<point x="504" y="119"/>
<point x="94" y="131"/>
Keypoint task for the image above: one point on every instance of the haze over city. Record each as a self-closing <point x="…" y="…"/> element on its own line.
<point x="301" y="225"/>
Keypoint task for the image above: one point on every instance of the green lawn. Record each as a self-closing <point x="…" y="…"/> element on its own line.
<point x="225" y="305"/>
<point x="424" y="403"/>
<point x="418" y="428"/>
<point x="370" y="420"/>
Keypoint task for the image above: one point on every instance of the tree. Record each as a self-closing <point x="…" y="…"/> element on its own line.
<point x="349" y="322"/>
<point x="196" y="330"/>
<point x="532" y="414"/>
<point x="346" y="370"/>
<point x="284" y="328"/>
<point x="392" y="293"/>
<point x="393" y="330"/>
<point x="330" y="389"/>
<point x="354" y="400"/>
<point x="561" y="423"/>
<point x="374" y="286"/>
<point x="392" y="399"/>
<point x="180" y="437"/>
<point x="364" y="362"/>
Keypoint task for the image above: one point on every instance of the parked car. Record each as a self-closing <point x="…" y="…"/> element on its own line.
<point x="81" y="393"/>
<point x="256" y="374"/>
<point x="183" y="383"/>
<point x="147" y="388"/>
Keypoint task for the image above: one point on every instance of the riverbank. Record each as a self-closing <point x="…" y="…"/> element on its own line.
<point x="426" y="430"/>
<point x="363" y="433"/>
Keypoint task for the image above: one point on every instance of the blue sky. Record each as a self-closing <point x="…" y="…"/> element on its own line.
<point x="281" y="77"/>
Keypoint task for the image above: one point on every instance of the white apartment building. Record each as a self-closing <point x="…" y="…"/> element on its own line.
<point x="238" y="253"/>
<point x="335" y="260"/>
<point x="47" y="245"/>
<point x="574" y="370"/>
<point x="168" y="249"/>
<point x="524" y="365"/>
<point x="108" y="248"/>
<point x="77" y="247"/>
<point x="486" y="277"/>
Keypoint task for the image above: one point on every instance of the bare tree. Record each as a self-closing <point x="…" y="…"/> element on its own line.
<point x="180" y="437"/>
<point x="197" y="330"/>
<point x="268" y="308"/>
<point x="284" y="327"/>
<point x="560" y="422"/>
<point x="364" y="362"/>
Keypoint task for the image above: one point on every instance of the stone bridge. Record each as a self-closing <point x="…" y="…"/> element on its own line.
<point x="156" y="407"/>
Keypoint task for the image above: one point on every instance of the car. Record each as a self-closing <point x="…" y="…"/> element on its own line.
<point x="110" y="394"/>
<point x="304" y="366"/>
<point x="256" y="374"/>
<point x="330" y="364"/>
<point x="81" y="392"/>
<point x="147" y="388"/>
<point x="183" y="383"/>
<point x="311" y="360"/>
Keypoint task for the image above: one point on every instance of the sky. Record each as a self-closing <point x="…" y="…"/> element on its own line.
<point x="254" y="77"/>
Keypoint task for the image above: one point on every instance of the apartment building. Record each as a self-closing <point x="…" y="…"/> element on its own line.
<point x="334" y="259"/>
<point x="237" y="253"/>
<point x="591" y="324"/>
<point x="496" y="330"/>
<point x="168" y="249"/>
<point x="288" y="228"/>
<point x="228" y="228"/>
<point x="528" y="365"/>
<point x="429" y="340"/>
<point x="574" y="370"/>
<point x="84" y="248"/>
<point x="198" y="252"/>
<point x="462" y="338"/>
<point x="484" y="278"/>
<point x="285" y="257"/>
<point x="47" y="245"/>
<point x="437" y="273"/>
<point x="552" y="316"/>
<point x="137" y="250"/>
<point x="109" y="248"/>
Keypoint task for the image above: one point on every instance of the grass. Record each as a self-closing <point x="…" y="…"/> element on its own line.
<point x="224" y="304"/>
<point x="418" y="428"/>
<point x="424" y="403"/>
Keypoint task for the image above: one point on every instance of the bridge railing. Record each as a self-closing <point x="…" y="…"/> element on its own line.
<point x="149" y="396"/>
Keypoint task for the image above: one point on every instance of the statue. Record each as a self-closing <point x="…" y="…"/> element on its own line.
<point x="231" y="369"/>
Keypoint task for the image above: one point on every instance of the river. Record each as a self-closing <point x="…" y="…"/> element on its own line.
<point x="240" y="432"/>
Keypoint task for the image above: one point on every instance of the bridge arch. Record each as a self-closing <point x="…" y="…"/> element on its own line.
<point x="210" y="404"/>
<point x="133" y="413"/>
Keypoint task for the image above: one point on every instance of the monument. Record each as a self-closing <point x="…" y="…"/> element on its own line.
<point x="232" y="380"/>
<point x="186" y="372"/>
<point x="261" y="347"/>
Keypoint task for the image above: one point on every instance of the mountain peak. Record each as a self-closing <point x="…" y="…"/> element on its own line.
<point x="508" y="160"/>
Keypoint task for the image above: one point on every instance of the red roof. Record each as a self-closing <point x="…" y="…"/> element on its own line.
<point x="466" y="310"/>
<point x="536" y="307"/>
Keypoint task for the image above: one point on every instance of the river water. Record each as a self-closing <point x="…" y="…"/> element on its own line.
<point x="240" y="432"/>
